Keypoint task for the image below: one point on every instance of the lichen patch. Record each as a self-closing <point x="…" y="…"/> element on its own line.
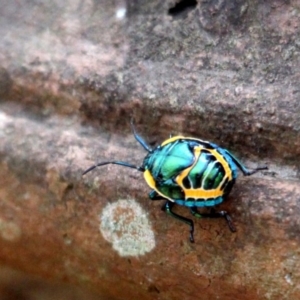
<point x="126" y="225"/>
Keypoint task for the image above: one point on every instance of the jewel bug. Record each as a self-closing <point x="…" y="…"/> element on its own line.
<point x="189" y="172"/>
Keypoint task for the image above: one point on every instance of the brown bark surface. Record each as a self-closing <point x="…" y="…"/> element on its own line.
<point x="73" y="75"/>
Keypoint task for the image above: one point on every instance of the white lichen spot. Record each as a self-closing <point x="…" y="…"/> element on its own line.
<point x="288" y="279"/>
<point x="126" y="225"/>
<point x="121" y="13"/>
<point x="9" y="231"/>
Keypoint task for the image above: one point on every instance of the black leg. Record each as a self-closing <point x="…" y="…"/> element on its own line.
<point x="249" y="173"/>
<point x="245" y="171"/>
<point x="167" y="207"/>
<point x="215" y="214"/>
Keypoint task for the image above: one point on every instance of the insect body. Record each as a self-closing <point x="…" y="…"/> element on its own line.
<point x="189" y="172"/>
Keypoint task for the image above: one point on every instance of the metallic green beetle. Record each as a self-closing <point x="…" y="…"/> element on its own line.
<point x="189" y="172"/>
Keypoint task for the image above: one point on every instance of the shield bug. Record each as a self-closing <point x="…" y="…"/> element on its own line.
<point x="189" y="172"/>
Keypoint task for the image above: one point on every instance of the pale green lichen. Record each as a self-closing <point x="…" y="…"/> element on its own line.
<point x="126" y="225"/>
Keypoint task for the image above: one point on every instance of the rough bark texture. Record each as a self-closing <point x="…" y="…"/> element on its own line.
<point x="71" y="77"/>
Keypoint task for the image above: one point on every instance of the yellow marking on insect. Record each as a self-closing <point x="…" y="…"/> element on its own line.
<point x="224" y="163"/>
<point x="151" y="182"/>
<point x="149" y="179"/>
<point x="200" y="192"/>
<point x="184" y="173"/>
<point x="172" y="139"/>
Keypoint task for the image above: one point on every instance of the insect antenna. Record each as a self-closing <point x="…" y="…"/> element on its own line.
<point x="139" y="138"/>
<point x="121" y="163"/>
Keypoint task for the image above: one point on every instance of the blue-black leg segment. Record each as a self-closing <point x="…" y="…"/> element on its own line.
<point x="167" y="207"/>
<point x="245" y="171"/>
<point x="214" y="214"/>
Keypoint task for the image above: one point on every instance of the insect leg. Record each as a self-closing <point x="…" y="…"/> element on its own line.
<point x="167" y="207"/>
<point x="215" y="214"/>
<point x="153" y="195"/>
<point x="245" y="171"/>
